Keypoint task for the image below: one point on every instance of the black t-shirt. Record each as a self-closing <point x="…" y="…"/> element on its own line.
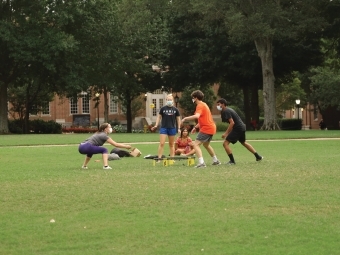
<point x="169" y="115"/>
<point x="230" y="113"/>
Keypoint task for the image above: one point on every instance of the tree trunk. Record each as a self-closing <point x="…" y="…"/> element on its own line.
<point x="129" y="116"/>
<point x="265" y="51"/>
<point x="106" y="105"/>
<point x="3" y="109"/>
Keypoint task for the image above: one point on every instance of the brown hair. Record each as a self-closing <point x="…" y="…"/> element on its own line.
<point x="197" y="94"/>
<point x="184" y="129"/>
<point x="103" y="126"/>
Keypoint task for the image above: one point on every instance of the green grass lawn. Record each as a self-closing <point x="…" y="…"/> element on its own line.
<point x="33" y="139"/>
<point x="287" y="204"/>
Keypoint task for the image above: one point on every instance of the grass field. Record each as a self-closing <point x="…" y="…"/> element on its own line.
<point x="287" y="204"/>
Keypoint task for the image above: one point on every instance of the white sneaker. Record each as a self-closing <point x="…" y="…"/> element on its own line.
<point x="107" y="167"/>
<point x="84" y="167"/>
<point x="216" y="163"/>
<point x="200" y="165"/>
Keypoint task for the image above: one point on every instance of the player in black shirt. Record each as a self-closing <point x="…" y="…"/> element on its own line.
<point x="236" y="131"/>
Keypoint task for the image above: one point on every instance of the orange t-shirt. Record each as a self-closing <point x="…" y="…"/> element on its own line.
<point x="205" y="121"/>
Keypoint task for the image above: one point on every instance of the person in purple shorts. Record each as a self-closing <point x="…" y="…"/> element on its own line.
<point x="93" y="145"/>
<point x="170" y="125"/>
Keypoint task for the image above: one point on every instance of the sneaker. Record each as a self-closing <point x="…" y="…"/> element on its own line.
<point x="259" y="159"/>
<point x="200" y="165"/>
<point x="107" y="167"/>
<point x="84" y="167"/>
<point x="230" y="163"/>
<point x="216" y="163"/>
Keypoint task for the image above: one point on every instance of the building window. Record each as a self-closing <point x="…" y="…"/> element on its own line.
<point x="157" y="91"/>
<point x="45" y="108"/>
<point x="85" y="100"/>
<point x="113" y="104"/>
<point x="73" y="106"/>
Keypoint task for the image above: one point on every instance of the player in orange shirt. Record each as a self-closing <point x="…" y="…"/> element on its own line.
<point x="207" y="128"/>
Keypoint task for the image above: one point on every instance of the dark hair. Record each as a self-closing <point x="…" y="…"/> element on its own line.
<point x="198" y="94"/>
<point x="222" y="101"/>
<point x="184" y="129"/>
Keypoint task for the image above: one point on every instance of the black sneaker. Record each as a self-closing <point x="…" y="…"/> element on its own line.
<point x="230" y="163"/>
<point x="259" y="159"/>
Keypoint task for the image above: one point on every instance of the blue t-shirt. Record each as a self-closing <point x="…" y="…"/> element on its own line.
<point x="169" y="115"/>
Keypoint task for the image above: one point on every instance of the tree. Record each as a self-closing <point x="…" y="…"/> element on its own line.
<point x="286" y="95"/>
<point x="186" y="101"/>
<point x="142" y="46"/>
<point x="264" y="22"/>
<point x="34" y="48"/>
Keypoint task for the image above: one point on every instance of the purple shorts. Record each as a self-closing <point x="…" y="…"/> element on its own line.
<point x="90" y="149"/>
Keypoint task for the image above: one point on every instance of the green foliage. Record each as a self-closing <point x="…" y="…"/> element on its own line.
<point x="290" y="124"/>
<point x="287" y="93"/>
<point x="118" y="129"/>
<point x="37" y="126"/>
<point x="221" y="126"/>
<point x="186" y="101"/>
<point x="325" y="79"/>
<point x="286" y="204"/>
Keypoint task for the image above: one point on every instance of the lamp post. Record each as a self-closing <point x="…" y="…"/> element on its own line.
<point x="97" y="105"/>
<point x="145" y="97"/>
<point x="297" y="101"/>
<point x="176" y="100"/>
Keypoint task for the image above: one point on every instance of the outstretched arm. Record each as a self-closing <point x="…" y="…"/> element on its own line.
<point x="119" y="145"/>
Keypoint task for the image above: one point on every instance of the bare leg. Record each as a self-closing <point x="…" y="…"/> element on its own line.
<point x="192" y="152"/>
<point x="87" y="159"/>
<point x="228" y="150"/>
<point x="172" y="145"/>
<point x="227" y="147"/>
<point x="249" y="147"/>
<point x="210" y="149"/>
<point x="197" y="148"/>
<point x="162" y="138"/>
<point x="179" y="151"/>
<point x="105" y="159"/>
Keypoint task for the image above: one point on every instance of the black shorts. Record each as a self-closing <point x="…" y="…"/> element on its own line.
<point x="236" y="135"/>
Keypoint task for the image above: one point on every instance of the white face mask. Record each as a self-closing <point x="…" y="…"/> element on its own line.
<point x="110" y="130"/>
<point x="169" y="103"/>
<point x="219" y="108"/>
<point x="193" y="100"/>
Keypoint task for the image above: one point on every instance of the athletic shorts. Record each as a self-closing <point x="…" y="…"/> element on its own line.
<point x="236" y="135"/>
<point x="168" y="131"/>
<point x="90" y="149"/>
<point x="202" y="137"/>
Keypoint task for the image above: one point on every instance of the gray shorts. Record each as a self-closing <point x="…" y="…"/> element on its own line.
<point x="202" y="137"/>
